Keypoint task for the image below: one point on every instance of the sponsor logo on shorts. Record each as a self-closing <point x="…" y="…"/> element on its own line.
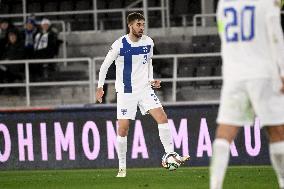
<point x="123" y="111"/>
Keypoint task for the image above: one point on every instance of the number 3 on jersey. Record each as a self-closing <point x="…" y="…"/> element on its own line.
<point x="239" y="25"/>
<point x="145" y="59"/>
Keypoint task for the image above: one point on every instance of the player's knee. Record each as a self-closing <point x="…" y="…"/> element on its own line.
<point x="123" y="127"/>
<point x="227" y="132"/>
<point x="276" y="133"/>
<point x="123" y="132"/>
<point x="162" y="118"/>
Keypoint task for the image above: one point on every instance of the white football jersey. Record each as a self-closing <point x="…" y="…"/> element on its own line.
<point x="133" y="62"/>
<point x="252" y="45"/>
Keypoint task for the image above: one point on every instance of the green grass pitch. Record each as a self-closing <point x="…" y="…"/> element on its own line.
<point x="239" y="177"/>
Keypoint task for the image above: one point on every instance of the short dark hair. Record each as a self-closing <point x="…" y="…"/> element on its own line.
<point x="134" y="16"/>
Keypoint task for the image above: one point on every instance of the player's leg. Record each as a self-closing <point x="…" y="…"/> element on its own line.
<point x="276" y="151"/>
<point x="151" y="104"/>
<point x="123" y="127"/>
<point x="164" y="130"/>
<point x="268" y="102"/>
<point x="126" y="110"/>
<point x="234" y="111"/>
<point x="225" y="134"/>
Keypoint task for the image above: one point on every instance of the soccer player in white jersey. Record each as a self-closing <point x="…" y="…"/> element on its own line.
<point x="253" y="79"/>
<point x="132" y="54"/>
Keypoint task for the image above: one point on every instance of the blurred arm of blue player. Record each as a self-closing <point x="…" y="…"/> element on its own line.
<point x="273" y="23"/>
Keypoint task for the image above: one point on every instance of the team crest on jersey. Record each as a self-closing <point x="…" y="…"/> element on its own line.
<point x="123" y="111"/>
<point x="145" y="49"/>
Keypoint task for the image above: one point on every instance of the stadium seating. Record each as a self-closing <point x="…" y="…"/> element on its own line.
<point x="16" y="8"/>
<point x="204" y="69"/>
<point x="115" y="4"/>
<point x="178" y="10"/>
<point x="50" y="6"/>
<point x="197" y="94"/>
<point x="4" y="8"/>
<point x="206" y="43"/>
<point x="176" y="44"/>
<point x="83" y="5"/>
<point x="66" y="6"/>
<point x="187" y="67"/>
<point x="217" y="72"/>
<point x="215" y="43"/>
<point x="34" y="7"/>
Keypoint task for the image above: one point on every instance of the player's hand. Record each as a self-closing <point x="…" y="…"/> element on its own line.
<point x="282" y="88"/>
<point x="99" y="94"/>
<point x="156" y="84"/>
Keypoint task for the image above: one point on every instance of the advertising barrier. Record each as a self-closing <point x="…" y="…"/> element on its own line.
<point x="86" y="138"/>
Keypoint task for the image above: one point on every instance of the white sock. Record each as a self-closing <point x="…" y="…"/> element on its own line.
<point x="219" y="163"/>
<point x="121" y="151"/>
<point x="165" y="137"/>
<point x="276" y="151"/>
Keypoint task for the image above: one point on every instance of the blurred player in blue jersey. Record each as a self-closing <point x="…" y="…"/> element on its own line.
<point x="132" y="54"/>
<point x="253" y="75"/>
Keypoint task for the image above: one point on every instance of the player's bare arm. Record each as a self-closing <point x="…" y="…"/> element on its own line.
<point x="100" y="94"/>
<point x="110" y="57"/>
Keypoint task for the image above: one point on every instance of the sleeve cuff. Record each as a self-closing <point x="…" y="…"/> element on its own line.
<point x="100" y="85"/>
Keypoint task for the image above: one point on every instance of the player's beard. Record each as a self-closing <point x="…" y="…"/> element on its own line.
<point x="137" y="34"/>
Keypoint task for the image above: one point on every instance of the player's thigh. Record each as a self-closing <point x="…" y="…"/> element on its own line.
<point x="267" y="100"/>
<point x="149" y="101"/>
<point x="275" y="133"/>
<point x="228" y="132"/>
<point x="159" y="115"/>
<point x="235" y="108"/>
<point x="126" y="106"/>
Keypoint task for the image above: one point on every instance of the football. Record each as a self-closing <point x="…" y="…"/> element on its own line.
<point x="171" y="161"/>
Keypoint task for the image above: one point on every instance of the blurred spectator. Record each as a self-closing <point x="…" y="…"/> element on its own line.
<point x="45" y="45"/>
<point x="5" y="27"/>
<point x="30" y="32"/>
<point x="14" y="50"/>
